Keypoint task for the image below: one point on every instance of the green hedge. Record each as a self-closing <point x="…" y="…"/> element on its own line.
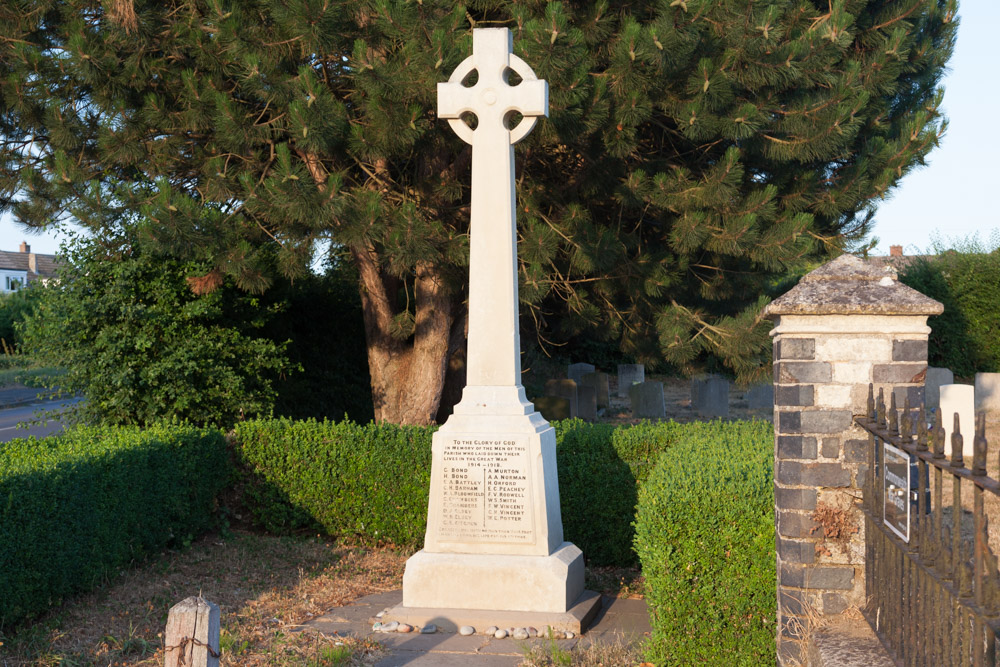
<point x="705" y="539"/>
<point x="966" y="336"/>
<point x="370" y="483"/>
<point x="75" y="508"/>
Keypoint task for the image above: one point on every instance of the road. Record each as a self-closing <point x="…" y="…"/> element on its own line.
<point x="10" y="418"/>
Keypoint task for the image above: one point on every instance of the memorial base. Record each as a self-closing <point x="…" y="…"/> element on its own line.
<point x="576" y="619"/>
<point x="490" y="581"/>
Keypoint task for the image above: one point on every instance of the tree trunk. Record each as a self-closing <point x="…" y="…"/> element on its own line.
<point x="407" y="379"/>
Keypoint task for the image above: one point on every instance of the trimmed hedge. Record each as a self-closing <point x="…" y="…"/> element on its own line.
<point x="705" y="539"/>
<point x="75" y="508"/>
<point x="370" y="483"/>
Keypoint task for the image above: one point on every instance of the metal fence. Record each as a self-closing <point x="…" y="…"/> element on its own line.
<point x="931" y="577"/>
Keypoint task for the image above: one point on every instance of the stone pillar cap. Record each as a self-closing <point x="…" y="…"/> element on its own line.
<point x="851" y="286"/>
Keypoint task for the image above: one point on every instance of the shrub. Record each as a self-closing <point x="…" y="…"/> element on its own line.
<point x="705" y="539"/>
<point x="364" y="482"/>
<point x="966" y="336"/>
<point x="76" y="508"/>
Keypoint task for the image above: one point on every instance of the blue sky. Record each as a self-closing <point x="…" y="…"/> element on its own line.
<point x="952" y="198"/>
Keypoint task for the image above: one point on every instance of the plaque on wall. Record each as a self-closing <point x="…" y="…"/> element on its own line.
<point x="896" y="490"/>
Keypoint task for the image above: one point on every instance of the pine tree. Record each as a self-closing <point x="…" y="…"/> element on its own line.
<point x="696" y="151"/>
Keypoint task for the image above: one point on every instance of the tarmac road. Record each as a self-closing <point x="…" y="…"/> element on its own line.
<point x="24" y="415"/>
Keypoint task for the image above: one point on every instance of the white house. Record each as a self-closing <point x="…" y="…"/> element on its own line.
<point x="18" y="269"/>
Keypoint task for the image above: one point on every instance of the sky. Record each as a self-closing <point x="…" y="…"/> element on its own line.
<point x="951" y="199"/>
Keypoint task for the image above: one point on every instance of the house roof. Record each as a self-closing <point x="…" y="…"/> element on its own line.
<point x="35" y="264"/>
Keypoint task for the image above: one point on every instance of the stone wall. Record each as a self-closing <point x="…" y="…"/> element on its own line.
<point x="844" y="326"/>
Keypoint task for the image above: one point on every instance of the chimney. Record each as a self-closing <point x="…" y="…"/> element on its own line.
<point x="895" y="251"/>
<point x="25" y="247"/>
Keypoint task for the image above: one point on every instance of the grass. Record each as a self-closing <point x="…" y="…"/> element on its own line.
<point x="617" y="653"/>
<point x="265" y="586"/>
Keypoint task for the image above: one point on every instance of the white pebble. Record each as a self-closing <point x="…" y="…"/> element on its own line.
<point x="520" y="633"/>
<point x="380" y="614"/>
<point x="390" y="626"/>
<point x="492" y="630"/>
<point x="466" y="630"/>
<point x="500" y="634"/>
<point x="429" y="629"/>
<point x="569" y="635"/>
<point x="532" y="632"/>
<point x="376" y="627"/>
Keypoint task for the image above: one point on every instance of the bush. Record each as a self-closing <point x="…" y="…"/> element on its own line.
<point x="966" y="336"/>
<point x="363" y="482"/>
<point x="76" y="508"/>
<point x="705" y="539"/>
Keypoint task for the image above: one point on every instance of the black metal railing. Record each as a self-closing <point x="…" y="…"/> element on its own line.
<point x="933" y="588"/>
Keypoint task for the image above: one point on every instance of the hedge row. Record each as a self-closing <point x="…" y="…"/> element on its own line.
<point x="76" y="508"/>
<point x="705" y="539"/>
<point x="370" y="482"/>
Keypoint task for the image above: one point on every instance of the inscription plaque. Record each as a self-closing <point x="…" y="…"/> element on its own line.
<point x="486" y="494"/>
<point x="896" y="490"/>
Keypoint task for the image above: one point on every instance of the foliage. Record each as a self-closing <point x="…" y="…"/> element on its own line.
<point x="141" y="346"/>
<point x="694" y="150"/>
<point x="14" y="307"/>
<point x="966" y="336"/>
<point x="80" y="506"/>
<point x="705" y="538"/>
<point x="364" y="482"/>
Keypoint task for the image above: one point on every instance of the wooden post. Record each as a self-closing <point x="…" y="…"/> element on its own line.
<point x="192" y="637"/>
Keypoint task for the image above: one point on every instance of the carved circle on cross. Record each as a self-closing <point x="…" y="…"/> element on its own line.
<point x="489" y="97"/>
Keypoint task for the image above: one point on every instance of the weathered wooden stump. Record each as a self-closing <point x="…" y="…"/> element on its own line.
<point x="192" y="637"/>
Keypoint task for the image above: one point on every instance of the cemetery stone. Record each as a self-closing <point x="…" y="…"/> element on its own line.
<point x="586" y="404"/>
<point x="713" y="398"/>
<point x="553" y="408"/>
<point x="760" y="397"/>
<point x="932" y="385"/>
<point x="494" y="537"/>
<point x="565" y="389"/>
<point x="575" y="372"/>
<point x="988" y="395"/>
<point x="960" y="398"/>
<point x="599" y="381"/>
<point x="647" y="400"/>
<point x="628" y="375"/>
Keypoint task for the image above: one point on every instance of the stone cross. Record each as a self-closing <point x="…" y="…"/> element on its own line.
<point x="494" y="343"/>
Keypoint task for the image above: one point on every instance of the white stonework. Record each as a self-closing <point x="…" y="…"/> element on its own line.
<point x="494" y="532"/>
<point x="852" y="372"/>
<point x="960" y="399"/>
<point x="801" y="325"/>
<point x="834" y="396"/>
<point x="850" y="348"/>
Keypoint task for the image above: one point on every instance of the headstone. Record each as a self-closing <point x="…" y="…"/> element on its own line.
<point x="760" y="397"/>
<point x="961" y="399"/>
<point x="713" y="398"/>
<point x="628" y="375"/>
<point x="932" y="385"/>
<point x="553" y="408"/>
<point x="192" y="635"/>
<point x="599" y="381"/>
<point x="494" y="538"/>
<point x="586" y="403"/>
<point x="575" y="372"/>
<point x="697" y="390"/>
<point x="647" y="400"/>
<point x="988" y="395"/>
<point x="565" y="389"/>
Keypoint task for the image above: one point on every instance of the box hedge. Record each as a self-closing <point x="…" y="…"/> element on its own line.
<point x="705" y="539"/>
<point x="76" y="508"/>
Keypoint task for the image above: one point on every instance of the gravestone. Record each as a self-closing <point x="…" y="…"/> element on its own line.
<point x="988" y="395"/>
<point x="575" y="372"/>
<point x="601" y="385"/>
<point x="565" y="389"/>
<point x="714" y="399"/>
<point x="553" y="408"/>
<point x="760" y="397"/>
<point x="961" y="399"/>
<point x="628" y="375"/>
<point x="586" y="408"/>
<point x="647" y="400"/>
<point x="494" y="539"/>
<point x="932" y="385"/>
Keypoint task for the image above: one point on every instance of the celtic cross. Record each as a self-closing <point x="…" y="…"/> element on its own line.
<point x="494" y="344"/>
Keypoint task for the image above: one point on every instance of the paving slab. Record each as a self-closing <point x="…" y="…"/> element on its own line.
<point x="618" y="621"/>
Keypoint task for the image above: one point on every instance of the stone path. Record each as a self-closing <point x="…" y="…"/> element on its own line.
<point x="619" y="620"/>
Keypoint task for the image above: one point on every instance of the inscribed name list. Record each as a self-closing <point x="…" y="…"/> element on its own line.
<point x="486" y="491"/>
